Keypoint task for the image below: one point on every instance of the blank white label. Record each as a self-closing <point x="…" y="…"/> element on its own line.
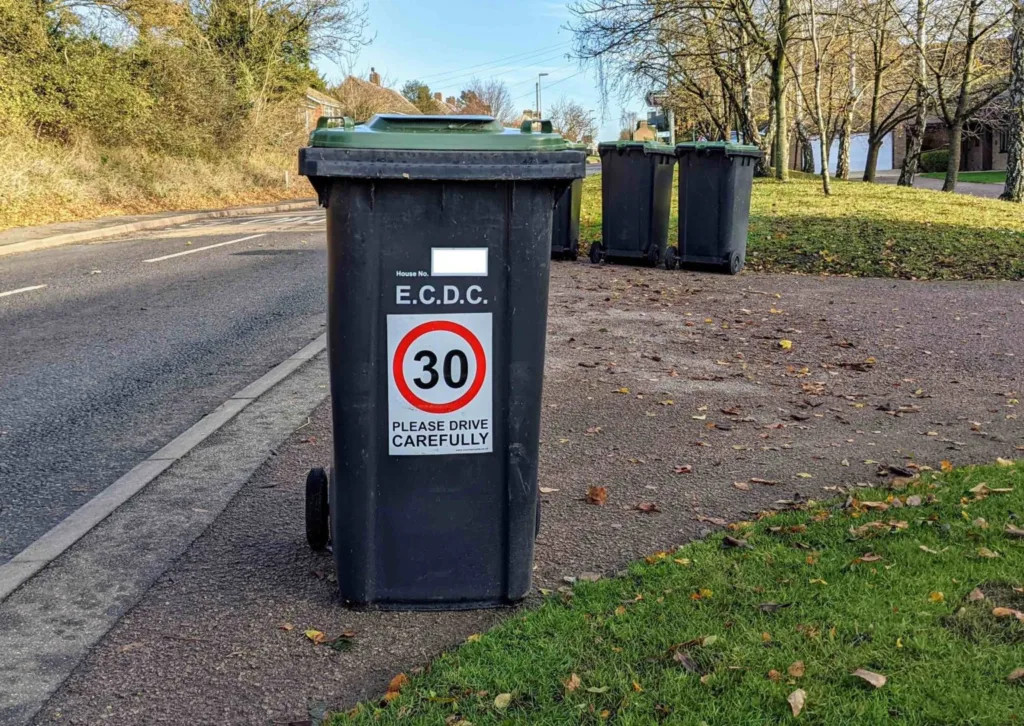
<point x="458" y="261"/>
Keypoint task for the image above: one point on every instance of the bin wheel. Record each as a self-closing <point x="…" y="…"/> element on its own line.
<point x="596" y="252"/>
<point x="574" y="252"/>
<point x="735" y="264"/>
<point x="671" y="258"/>
<point x="653" y="255"/>
<point x="317" y="509"/>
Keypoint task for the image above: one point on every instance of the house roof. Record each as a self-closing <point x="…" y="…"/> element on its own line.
<point x="321" y="98"/>
<point x="361" y="99"/>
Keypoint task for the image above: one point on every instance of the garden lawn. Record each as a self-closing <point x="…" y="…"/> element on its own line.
<point x="977" y="177"/>
<point x="875" y="230"/>
<point x="926" y="597"/>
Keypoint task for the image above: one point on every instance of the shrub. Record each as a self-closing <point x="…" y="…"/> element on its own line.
<point x="934" y="160"/>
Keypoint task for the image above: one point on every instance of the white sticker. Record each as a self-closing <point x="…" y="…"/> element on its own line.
<point x="458" y="262"/>
<point x="439" y="384"/>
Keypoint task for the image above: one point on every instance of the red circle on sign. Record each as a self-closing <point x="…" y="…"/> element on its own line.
<point x="447" y="326"/>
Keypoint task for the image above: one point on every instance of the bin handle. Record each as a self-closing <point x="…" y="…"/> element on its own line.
<point x="325" y="122"/>
<point x="546" y="127"/>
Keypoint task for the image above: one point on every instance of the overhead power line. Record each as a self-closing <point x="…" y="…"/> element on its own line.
<point x="443" y="77"/>
<point x="549" y="85"/>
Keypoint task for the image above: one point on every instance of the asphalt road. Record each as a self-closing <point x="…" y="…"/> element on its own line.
<point x="130" y="342"/>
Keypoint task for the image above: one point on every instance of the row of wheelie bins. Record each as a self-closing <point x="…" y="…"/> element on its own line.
<point x="715" y="181"/>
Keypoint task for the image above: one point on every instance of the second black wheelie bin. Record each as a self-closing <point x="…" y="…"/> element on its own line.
<point x="438" y="250"/>
<point x="636" y="201"/>
<point x="715" y="180"/>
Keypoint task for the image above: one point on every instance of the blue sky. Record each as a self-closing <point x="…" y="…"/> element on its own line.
<point x="444" y="43"/>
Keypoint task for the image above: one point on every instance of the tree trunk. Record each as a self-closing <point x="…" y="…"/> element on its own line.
<point x="915" y="135"/>
<point x="843" y="162"/>
<point x="781" y="151"/>
<point x="871" y="163"/>
<point x="956" y="135"/>
<point x="826" y="149"/>
<point x="1014" y="191"/>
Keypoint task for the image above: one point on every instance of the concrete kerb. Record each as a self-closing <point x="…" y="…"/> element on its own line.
<point x="157" y="222"/>
<point x="39" y="554"/>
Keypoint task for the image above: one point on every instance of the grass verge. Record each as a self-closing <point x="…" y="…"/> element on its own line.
<point x="727" y="630"/>
<point x="872" y="230"/>
<point x="46" y="182"/>
<point x="978" y="177"/>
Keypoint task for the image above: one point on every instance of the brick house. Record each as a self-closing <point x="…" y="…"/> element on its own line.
<point x="985" y="145"/>
<point x="316" y="104"/>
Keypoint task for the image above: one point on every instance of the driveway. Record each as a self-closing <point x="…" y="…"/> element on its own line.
<point x="990" y="191"/>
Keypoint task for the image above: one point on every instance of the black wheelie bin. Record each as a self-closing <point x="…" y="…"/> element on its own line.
<point x="565" y="232"/>
<point x="636" y="200"/>
<point x="438" y="253"/>
<point x="715" y="180"/>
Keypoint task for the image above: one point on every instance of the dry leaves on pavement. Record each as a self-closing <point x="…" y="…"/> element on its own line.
<point x="597" y="495"/>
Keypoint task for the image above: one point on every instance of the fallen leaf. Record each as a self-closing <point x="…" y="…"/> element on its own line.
<point x="742" y="486"/>
<point x="683" y="659"/>
<point x="572" y="682"/>
<point x="867" y="557"/>
<point x="547" y="490"/>
<point x="805" y="475"/>
<point x="929" y="550"/>
<point x="796" y="670"/>
<point x="594" y="429"/>
<point x="976" y="594"/>
<point x="914" y="500"/>
<point x="598" y="689"/>
<point x="936" y="597"/>
<point x="316" y="636"/>
<point x="786" y="345"/>
<point x="875" y="679"/>
<point x="647" y="507"/>
<point x="987" y="553"/>
<point x="622" y="390"/>
<point x="287" y="627"/>
<point x="395" y="686"/>
<point x="946" y="466"/>
<point x="1004" y="462"/>
<point x="766" y="482"/>
<point x="1014" y="531"/>
<point x="774" y="675"/>
<point x="474" y="638"/>
<point x="1016" y="675"/>
<point x="796" y="700"/>
<point x="597" y="495"/>
<point x="637" y="687"/>
<point x="1008" y="612"/>
<point x="502" y="700"/>
<point x="620" y="610"/>
<point x="712" y="520"/>
<point x="734" y="542"/>
<point x="771" y="607"/>
<point x="684" y="469"/>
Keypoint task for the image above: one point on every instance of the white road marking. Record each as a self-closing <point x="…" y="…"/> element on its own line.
<point x="251" y="221"/>
<point x="22" y="289"/>
<point x="208" y="247"/>
<point x="315" y="220"/>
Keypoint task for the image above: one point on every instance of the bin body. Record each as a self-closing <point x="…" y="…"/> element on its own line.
<point x="715" y="181"/>
<point x="437" y="307"/>
<point x="565" y="233"/>
<point x="636" y="200"/>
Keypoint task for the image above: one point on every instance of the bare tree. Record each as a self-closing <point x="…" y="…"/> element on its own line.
<point x="1014" y="191"/>
<point x="571" y="120"/>
<point x="490" y="97"/>
<point x="968" y="64"/>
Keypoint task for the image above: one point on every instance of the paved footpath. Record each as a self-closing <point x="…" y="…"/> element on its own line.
<point x="974" y="189"/>
<point x="880" y="372"/>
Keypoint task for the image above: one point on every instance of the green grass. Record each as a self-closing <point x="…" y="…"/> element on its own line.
<point x="979" y="177"/>
<point x="801" y="591"/>
<point x="874" y="230"/>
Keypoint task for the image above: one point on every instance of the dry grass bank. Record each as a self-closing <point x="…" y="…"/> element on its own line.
<point x="43" y="182"/>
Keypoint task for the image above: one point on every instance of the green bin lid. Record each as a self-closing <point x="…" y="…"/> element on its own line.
<point x="648" y="147"/>
<point x="726" y="147"/>
<point x="435" y="133"/>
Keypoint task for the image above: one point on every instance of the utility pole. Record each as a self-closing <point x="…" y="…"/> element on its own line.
<point x="672" y="126"/>
<point x="540" y="114"/>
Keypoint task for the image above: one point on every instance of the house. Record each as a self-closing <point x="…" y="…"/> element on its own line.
<point x="985" y="145"/>
<point x="316" y="104"/>
<point x="361" y="99"/>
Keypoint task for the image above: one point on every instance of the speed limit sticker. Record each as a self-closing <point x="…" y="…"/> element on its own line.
<point x="439" y="384"/>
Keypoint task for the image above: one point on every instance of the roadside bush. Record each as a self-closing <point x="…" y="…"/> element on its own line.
<point x="934" y="161"/>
